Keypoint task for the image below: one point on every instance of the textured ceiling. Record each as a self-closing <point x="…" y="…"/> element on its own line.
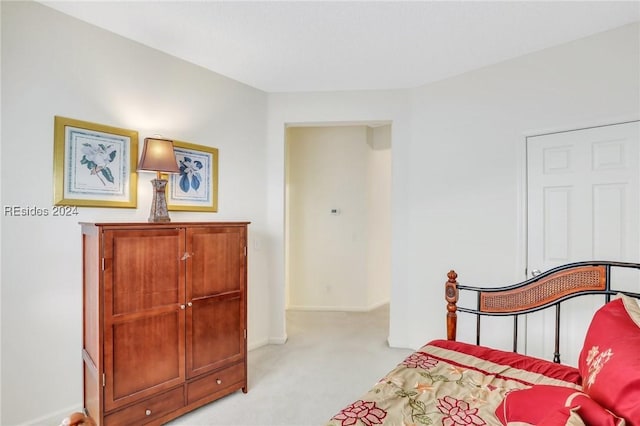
<point x="318" y="46"/>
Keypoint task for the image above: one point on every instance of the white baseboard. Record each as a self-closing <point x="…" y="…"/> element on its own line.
<point x="53" y="419"/>
<point x="368" y="308"/>
<point x="401" y="344"/>
<point x="269" y="341"/>
<point x="258" y="344"/>
<point x="378" y="304"/>
<point x="278" y="340"/>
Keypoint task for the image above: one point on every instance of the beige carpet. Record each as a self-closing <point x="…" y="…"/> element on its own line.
<point x="329" y="361"/>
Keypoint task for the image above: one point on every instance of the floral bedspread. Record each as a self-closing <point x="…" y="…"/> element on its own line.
<point x="451" y="383"/>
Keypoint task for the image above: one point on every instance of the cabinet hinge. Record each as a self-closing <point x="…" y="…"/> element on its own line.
<point x="103" y="263"/>
<point x="245" y="251"/>
<point x="245" y="334"/>
<point x="104" y="380"/>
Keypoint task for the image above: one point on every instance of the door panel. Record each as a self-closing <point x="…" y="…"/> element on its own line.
<point x="216" y="292"/>
<point x="583" y="196"/>
<point x="583" y="204"/>
<point x="556" y="230"/>
<point x="149" y="340"/>
<point x="144" y="319"/>
<point x="217" y="334"/>
<point x="217" y="254"/>
<point x="145" y="277"/>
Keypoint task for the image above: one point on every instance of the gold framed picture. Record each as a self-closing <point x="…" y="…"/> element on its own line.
<point x="195" y="188"/>
<point x="94" y="165"/>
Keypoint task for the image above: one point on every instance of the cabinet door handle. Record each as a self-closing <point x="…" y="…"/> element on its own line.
<point x="186" y="255"/>
<point x="190" y="304"/>
<point x="147" y="412"/>
<point x="182" y="306"/>
<point x="219" y="381"/>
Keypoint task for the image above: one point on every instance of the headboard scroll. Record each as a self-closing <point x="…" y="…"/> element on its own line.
<point x="545" y="291"/>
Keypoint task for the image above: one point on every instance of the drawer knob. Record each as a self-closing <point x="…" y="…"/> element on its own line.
<point x="148" y="412"/>
<point x="219" y="381"/>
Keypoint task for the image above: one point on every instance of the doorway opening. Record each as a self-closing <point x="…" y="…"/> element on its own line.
<point x="337" y="216"/>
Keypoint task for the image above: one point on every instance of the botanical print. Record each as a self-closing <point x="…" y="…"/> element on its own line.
<point x="97" y="158"/>
<point x="96" y="164"/>
<point x="192" y="185"/>
<point x="190" y="177"/>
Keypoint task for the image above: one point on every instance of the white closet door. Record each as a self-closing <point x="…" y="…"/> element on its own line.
<point x="583" y="204"/>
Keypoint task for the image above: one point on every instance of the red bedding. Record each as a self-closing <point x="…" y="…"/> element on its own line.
<point x="451" y="383"/>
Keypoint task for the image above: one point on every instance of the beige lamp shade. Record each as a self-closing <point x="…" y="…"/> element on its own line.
<point x="158" y="156"/>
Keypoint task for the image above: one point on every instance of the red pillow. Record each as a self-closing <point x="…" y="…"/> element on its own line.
<point x="609" y="362"/>
<point x="552" y="405"/>
<point x="571" y="417"/>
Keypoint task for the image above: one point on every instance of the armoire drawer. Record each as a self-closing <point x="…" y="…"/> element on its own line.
<point x="148" y="409"/>
<point x="215" y="382"/>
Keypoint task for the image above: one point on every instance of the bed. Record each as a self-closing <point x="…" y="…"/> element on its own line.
<point x="453" y="383"/>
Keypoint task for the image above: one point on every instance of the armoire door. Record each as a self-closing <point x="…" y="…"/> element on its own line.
<point x="144" y="313"/>
<point x="216" y="292"/>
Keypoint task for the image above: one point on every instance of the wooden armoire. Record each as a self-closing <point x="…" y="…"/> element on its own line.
<point x="165" y="314"/>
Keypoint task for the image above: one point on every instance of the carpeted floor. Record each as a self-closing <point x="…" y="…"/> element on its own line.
<point x="329" y="361"/>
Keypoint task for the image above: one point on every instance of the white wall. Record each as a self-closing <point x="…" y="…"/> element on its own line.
<point x="338" y="261"/>
<point x="466" y="186"/>
<point x="379" y="211"/>
<point x="457" y="187"/>
<point x="56" y="65"/>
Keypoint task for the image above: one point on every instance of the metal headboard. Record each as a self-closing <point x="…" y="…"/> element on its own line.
<point x="543" y="291"/>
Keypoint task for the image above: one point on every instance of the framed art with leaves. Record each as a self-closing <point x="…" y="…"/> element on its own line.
<point x="195" y="188"/>
<point x="94" y="164"/>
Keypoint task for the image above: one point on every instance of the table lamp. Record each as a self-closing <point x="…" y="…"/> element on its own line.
<point x="158" y="156"/>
